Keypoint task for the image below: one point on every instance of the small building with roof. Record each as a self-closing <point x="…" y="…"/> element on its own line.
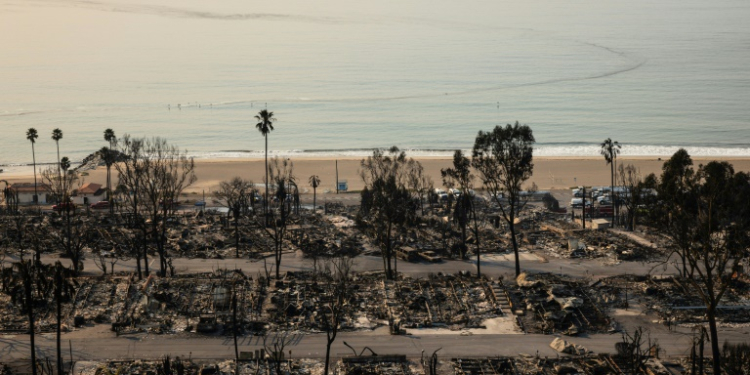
<point x="89" y="193"/>
<point x="25" y="191"/>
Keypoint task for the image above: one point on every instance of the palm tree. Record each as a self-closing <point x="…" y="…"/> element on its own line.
<point x="32" y="135"/>
<point x="314" y="182"/>
<point x="109" y="136"/>
<point x="57" y="135"/>
<point x="65" y="165"/>
<point x="609" y="150"/>
<point x="265" y="125"/>
<point x="108" y="156"/>
<point x="109" y="159"/>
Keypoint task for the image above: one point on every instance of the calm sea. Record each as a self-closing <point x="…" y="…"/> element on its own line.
<point x="345" y="76"/>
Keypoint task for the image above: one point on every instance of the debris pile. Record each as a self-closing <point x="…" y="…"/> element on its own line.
<point x="378" y="365"/>
<point x="558" y="240"/>
<point x="553" y="304"/>
<point x="565" y="365"/>
<point x="675" y="302"/>
<point x="452" y="301"/>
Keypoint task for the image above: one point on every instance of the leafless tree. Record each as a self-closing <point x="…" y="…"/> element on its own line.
<point x="28" y="284"/>
<point x="634" y="350"/>
<point x="236" y="195"/>
<point x="75" y="238"/>
<point x="155" y="174"/>
<point x="419" y="183"/>
<point x="336" y="307"/>
<point x="638" y="190"/>
<point x="281" y="172"/>
<point x="62" y="186"/>
<point x="130" y="173"/>
<point x="466" y="212"/>
<point x="275" y="349"/>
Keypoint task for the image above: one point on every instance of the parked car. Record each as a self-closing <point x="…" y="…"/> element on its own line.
<point x="578" y="203"/>
<point x="430" y="256"/>
<point x="64" y="206"/>
<point x="100" y="205"/>
<point x="456" y="193"/>
<point x="200" y="203"/>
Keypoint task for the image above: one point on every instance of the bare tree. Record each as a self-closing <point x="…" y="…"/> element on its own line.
<point x="275" y="349"/>
<point x="419" y="183"/>
<point x="466" y="211"/>
<point x="638" y="191"/>
<point x="75" y="237"/>
<point x="634" y="351"/>
<point x="130" y="173"/>
<point x="503" y="158"/>
<point x="65" y="288"/>
<point x="27" y="283"/>
<point x="155" y="173"/>
<point x="62" y="187"/>
<point x="336" y="306"/>
<point x="236" y="195"/>
<point x="281" y="173"/>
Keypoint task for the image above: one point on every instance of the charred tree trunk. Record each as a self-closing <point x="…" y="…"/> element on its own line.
<point x="515" y="247"/>
<point x="711" y="314"/>
<point x="58" y="296"/>
<point x="30" y="313"/>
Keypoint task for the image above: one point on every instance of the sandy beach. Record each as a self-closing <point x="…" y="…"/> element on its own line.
<point x="549" y="173"/>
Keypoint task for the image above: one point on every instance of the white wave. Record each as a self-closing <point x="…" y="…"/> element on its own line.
<point x="641" y="150"/>
<point x="591" y="150"/>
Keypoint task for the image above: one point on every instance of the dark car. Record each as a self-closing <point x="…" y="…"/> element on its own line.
<point x="64" y="206"/>
<point x="100" y="205"/>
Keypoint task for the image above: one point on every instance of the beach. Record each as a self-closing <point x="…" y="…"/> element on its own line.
<point x="550" y="173"/>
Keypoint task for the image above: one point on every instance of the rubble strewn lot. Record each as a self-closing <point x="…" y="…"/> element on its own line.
<point x="675" y="302"/>
<point x="382" y="364"/>
<point x="194" y="367"/>
<point x="585" y="365"/>
<point x="547" y="303"/>
<point x="563" y="240"/>
<point x="201" y="303"/>
<point x="453" y="304"/>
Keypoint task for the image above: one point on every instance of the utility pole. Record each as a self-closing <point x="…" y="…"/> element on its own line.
<point x="337" y="176"/>
<point x="583" y="214"/>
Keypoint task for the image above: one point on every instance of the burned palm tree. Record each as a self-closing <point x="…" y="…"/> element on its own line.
<point x="314" y="183"/>
<point x="609" y="150"/>
<point x="57" y="135"/>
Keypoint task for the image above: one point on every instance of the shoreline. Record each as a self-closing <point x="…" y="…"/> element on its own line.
<point x="549" y="172"/>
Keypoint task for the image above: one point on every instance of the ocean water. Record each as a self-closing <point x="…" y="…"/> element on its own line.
<point x="343" y="77"/>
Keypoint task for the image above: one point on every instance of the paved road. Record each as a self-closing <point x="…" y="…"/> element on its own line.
<point x="105" y="346"/>
<point x="492" y="265"/>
